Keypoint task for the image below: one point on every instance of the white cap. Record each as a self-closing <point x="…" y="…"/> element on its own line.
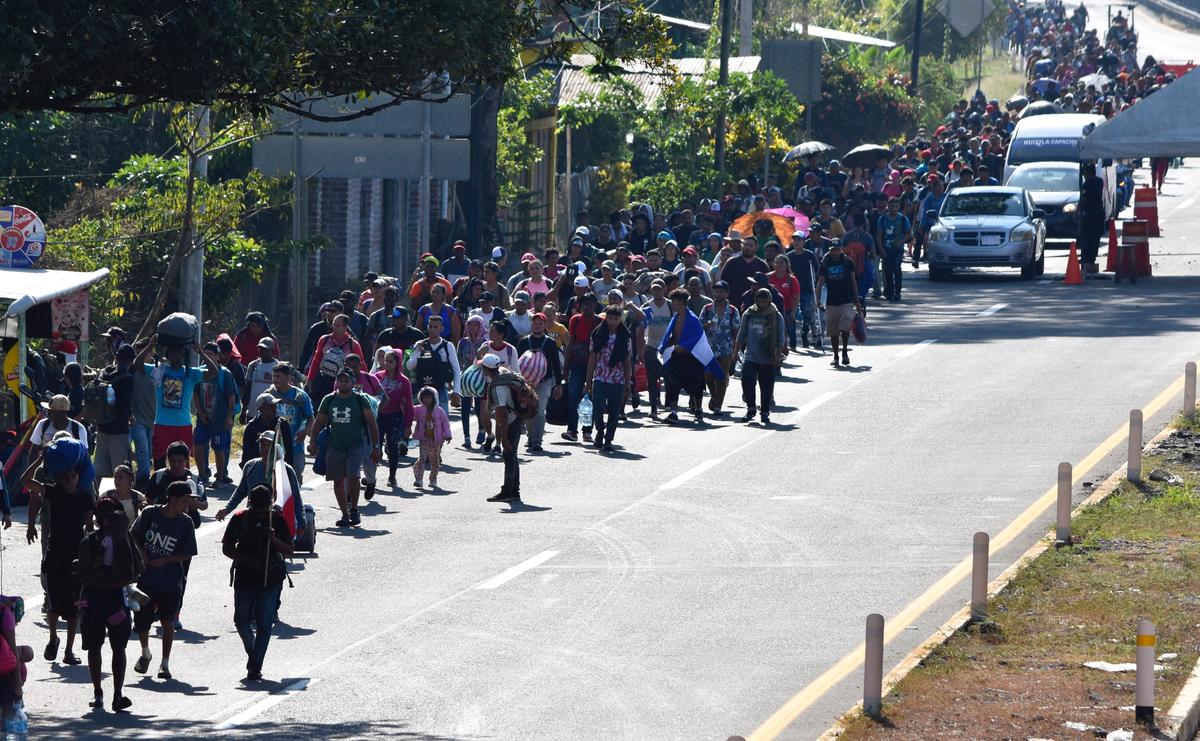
<point x="498" y="252"/>
<point x="581" y="281"/>
<point x="491" y="360"/>
<point x="580" y="266"/>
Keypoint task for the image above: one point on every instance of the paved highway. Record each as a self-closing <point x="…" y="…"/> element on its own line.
<point x="699" y="582"/>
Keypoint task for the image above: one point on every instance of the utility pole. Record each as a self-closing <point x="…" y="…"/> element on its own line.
<point x="191" y="273"/>
<point x="299" y="285"/>
<point x="722" y="83"/>
<point x="918" y="21"/>
<point x="745" y="28"/>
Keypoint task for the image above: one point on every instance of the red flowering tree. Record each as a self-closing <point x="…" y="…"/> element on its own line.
<point x="859" y="105"/>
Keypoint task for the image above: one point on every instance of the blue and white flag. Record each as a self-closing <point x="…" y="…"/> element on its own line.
<point x="694" y="341"/>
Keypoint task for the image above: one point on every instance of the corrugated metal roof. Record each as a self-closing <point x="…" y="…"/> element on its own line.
<point x="575" y="83"/>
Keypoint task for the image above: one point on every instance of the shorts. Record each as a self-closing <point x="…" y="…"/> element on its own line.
<point x="163" y="606"/>
<point x="164" y="435"/>
<point x="61" y="585"/>
<point x="95" y="624"/>
<point x="111" y="451"/>
<point x="343" y="464"/>
<point x="218" y="438"/>
<point x="839" y="318"/>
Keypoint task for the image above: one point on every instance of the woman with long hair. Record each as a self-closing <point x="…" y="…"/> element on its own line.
<point x="395" y="411"/>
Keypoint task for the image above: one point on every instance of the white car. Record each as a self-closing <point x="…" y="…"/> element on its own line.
<point x="989" y="226"/>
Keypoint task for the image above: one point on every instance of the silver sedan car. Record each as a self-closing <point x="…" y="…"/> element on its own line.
<point x="987" y="226"/>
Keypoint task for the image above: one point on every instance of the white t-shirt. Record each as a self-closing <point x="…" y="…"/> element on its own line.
<point x="259" y="375"/>
<point x="44" y="431"/>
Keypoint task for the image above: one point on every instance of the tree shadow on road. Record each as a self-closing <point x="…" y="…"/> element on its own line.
<point x="130" y="725"/>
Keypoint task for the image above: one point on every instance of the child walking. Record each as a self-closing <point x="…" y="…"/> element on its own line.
<point x="431" y="427"/>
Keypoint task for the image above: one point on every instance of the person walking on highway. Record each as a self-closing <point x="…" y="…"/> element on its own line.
<point x="609" y="372"/>
<point x="1092" y="218"/>
<point x="763" y="337"/>
<point x="721" y="322"/>
<point x="551" y="384"/>
<point x="257" y="540"/>
<point x="892" y="232"/>
<point x="503" y="404"/>
<point x="108" y="562"/>
<point x="166" y="538"/>
<point x="837" y="277"/>
<point x="431" y="426"/>
<point x="350" y="421"/>
<point x="396" y="409"/>
<point x="434" y="362"/>
<point x="329" y="358"/>
<point x="295" y="407"/>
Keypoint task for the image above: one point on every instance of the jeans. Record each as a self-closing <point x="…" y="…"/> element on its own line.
<point x="654" y="375"/>
<point x="808" y="318"/>
<point x="254" y="610"/>
<point x="893" y="273"/>
<point x="465" y="410"/>
<point x="391" y="431"/>
<point x="512" y="467"/>
<point x="575" y="381"/>
<point x="789" y="323"/>
<point x="299" y="461"/>
<point x="536" y="427"/>
<point x="764" y="376"/>
<point x="607" y="400"/>
<point x="141" y="436"/>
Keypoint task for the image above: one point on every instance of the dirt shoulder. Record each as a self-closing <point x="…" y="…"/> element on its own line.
<point x="1021" y="675"/>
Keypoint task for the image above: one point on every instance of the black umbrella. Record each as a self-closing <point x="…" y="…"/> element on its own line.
<point x="1040" y="108"/>
<point x="807" y="149"/>
<point x="865" y="155"/>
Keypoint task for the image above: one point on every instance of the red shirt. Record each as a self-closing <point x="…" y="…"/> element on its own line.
<point x="788" y="286"/>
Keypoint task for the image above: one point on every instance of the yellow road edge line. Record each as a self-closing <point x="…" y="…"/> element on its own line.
<point x="779" y="721"/>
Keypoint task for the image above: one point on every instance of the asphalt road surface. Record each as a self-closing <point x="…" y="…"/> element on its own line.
<point x="698" y="581"/>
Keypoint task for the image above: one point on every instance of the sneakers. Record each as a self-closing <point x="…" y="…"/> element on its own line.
<point x="253" y="675"/>
<point x="355" y="518"/>
<point x="433" y="482"/>
<point x="418" y="484"/>
<point x="608" y="448"/>
<point x="391" y="482"/>
<point x="369" y="491"/>
<point x="503" y="497"/>
<point x="534" y="448"/>
<point x="570" y="436"/>
<point x="344" y="522"/>
<point x="845" y="359"/>
<point x="834" y="362"/>
<point x="121" y="703"/>
<point x="587" y="436"/>
<point x="749" y="415"/>
<point x="142" y="664"/>
<point x="671" y="418"/>
<point x="489" y="442"/>
<point x="479" y="436"/>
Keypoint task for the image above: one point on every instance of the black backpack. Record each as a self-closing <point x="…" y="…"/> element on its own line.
<point x="96" y="408"/>
<point x="430" y="370"/>
<point x="525" y="399"/>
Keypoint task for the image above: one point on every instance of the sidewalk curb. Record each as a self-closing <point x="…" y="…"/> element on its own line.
<point x="1175" y="12"/>
<point x="1183" y="719"/>
<point x="1187" y="717"/>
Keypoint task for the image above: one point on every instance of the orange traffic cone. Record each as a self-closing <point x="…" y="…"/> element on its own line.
<point x="1074" y="274"/>
<point x="1112" y="246"/>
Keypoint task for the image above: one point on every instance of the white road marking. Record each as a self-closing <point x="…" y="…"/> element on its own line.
<point x="690" y="474"/>
<point x="792" y="498"/>
<point x="266" y="704"/>
<point x="514" y="571"/>
<point x="991" y="309"/>
<point x="813" y="404"/>
<point x="1187" y="203"/>
<point x="915" y="348"/>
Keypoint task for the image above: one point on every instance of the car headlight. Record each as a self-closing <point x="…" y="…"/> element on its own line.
<point x="1022" y="235"/>
<point x="1069" y="208"/>
<point x="939" y="233"/>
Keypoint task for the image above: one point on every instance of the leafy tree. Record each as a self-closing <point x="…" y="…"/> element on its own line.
<point x="119" y="55"/>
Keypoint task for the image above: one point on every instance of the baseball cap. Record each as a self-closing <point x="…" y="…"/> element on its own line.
<point x="491" y="361"/>
<point x="267" y="342"/>
<point x="522" y="296"/>
<point x="497" y="253"/>
<point x="399" y="311"/>
<point x="689" y="250"/>
<point x="528" y="257"/>
<point x="58" y="403"/>
<point x="114" y="332"/>
<point x="609" y="264"/>
<point x="267" y="436"/>
<point x="539" y="315"/>
<point x="264" y="399"/>
<point x="581" y="281"/>
<point x="347" y="373"/>
<point x="369" y="277"/>
<point x="430" y="258"/>
<point x="721" y="284"/>
<point x="459" y="245"/>
<point x="664" y="234"/>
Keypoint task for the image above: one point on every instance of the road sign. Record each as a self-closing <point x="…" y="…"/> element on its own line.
<point x="965" y="16"/>
<point x="451" y="118"/>
<point x="22" y="237"/>
<point x="363" y="157"/>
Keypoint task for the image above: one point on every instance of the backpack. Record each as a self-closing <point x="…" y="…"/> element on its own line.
<point x="430" y="370"/>
<point x="525" y="399"/>
<point x="96" y="408"/>
<point x="332" y="360"/>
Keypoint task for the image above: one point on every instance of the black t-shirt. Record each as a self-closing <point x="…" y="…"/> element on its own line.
<point x="246" y="533"/>
<point x="162" y="537"/>
<point x="64" y="515"/>
<point x="837" y="273"/>
<point x="399" y="339"/>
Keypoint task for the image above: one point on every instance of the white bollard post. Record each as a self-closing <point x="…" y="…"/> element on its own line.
<point x="1144" y="702"/>
<point x="873" y="667"/>
<point x="1134" y="472"/>
<point x="1189" y="392"/>
<point x="979" y="576"/>
<point x="1063" y="530"/>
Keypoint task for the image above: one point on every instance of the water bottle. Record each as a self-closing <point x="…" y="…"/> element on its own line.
<point x="110" y="396"/>
<point x="585" y="411"/>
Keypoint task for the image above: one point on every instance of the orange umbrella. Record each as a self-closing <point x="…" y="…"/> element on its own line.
<point x="782" y="227"/>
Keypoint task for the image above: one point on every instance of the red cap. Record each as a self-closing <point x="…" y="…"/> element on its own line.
<point x="528" y="257"/>
<point x="690" y="251"/>
<point x="539" y="315"/>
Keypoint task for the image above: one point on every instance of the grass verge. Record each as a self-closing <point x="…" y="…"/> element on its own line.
<point x="1137" y="555"/>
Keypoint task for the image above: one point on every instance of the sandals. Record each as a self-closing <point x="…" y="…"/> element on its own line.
<point x="51" y="649"/>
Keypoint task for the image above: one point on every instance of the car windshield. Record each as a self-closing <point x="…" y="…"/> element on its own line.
<point x="1039" y="179"/>
<point x="984" y="204"/>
